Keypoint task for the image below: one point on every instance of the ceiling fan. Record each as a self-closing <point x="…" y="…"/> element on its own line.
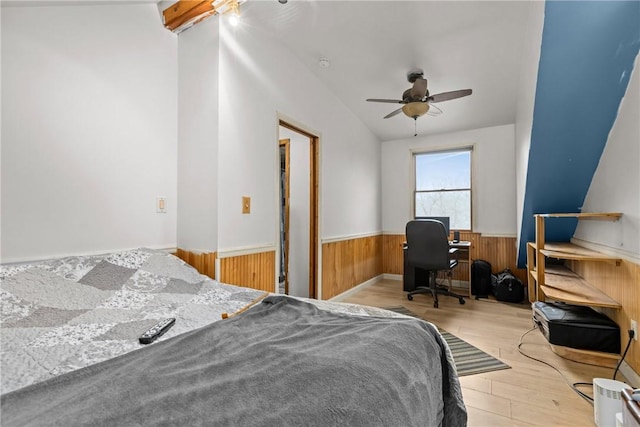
<point x="417" y="101"/>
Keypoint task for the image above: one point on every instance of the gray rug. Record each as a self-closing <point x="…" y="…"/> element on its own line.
<point x="469" y="359"/>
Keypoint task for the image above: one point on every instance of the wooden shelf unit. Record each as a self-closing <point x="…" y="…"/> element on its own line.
<point x="557" y="282"/>
<point x="565" y="250"/>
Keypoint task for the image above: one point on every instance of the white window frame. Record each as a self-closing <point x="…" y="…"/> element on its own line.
<point x="414" y="153"/>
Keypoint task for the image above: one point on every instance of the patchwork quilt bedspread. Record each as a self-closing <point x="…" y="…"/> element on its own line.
<point x="63" y="315"/>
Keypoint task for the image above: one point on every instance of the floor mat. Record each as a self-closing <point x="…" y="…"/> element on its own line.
<point x="469" y="360"/>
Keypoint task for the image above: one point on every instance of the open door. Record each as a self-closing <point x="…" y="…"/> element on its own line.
<point x="298" y="269"/>
<point x="283" y="277"/>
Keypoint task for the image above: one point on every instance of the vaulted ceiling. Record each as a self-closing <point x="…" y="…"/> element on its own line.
<point x="372" y="45"/>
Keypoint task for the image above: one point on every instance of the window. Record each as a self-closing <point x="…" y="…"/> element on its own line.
<point x="443" y="186"/>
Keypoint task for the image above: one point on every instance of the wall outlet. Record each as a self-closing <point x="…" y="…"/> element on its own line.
<point x="634" y="328"/>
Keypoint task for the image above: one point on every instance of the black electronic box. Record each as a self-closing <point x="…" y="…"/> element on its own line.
<point x="576" y="327"/>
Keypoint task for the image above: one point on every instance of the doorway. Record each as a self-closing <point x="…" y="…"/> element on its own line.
<point x="298" y="216"/>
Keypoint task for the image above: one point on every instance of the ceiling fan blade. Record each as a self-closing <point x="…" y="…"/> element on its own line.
<point x="393" y="113"/>
<point x="434" y="110"/>
<point x="388" y="101"/>
<point x="419" y="89"/>
<point x="446" y="96"/>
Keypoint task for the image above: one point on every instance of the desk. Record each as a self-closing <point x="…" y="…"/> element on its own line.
<point x="411" y="276"/>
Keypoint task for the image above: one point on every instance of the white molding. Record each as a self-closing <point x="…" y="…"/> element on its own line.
<point x="397" y="233"/>
<point x="389" y="276"/>
<point x="17" y="261"/>
<point x="608" y="250"/>
<point x="197" y="251"/>
<point x="247" y="250"/>
<point x="460" y="284"/>
<point x="351" y="237"/>
<point x="632" y="376"/>
<point x="353" y="290"/>
<point x="217" y="272"/>
<point x="495" y="234"/>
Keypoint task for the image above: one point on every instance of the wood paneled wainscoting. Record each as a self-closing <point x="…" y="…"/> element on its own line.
<point x="500" y="251"/>
<point x="254" y="270"/>
<point x="349" y="262"/>
<point x="204" y="262"/>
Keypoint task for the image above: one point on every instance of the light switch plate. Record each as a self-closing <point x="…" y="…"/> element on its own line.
<point x="246" y="204"/>
<point x="161" y="205"/>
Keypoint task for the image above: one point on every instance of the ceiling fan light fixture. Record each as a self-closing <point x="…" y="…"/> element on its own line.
<point x="415" y="109"/>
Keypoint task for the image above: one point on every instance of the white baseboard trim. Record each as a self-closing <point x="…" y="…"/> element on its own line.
<point x="631" y="375"/>
<point x="460" y="284"/>
<point x="356" y="288"/>
<point x="456" y="284"/>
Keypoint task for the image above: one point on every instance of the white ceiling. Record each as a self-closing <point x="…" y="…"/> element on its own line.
<point x="35" y="3"/>
<point x="371" y="46"/>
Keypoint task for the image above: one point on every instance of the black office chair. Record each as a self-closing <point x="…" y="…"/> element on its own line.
<point x="428" y="249"/>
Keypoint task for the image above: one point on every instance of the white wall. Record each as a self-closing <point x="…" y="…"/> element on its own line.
<point x="198" y="50"/>
<point x="493" y="178"/>
<point x="526" y="99"/>
<point x="88" y="130"/>
<point x="261" y="80"/>
<point x="615" y="186"/>
<point x="1" y="133"/>
<point x="299" y="201"/>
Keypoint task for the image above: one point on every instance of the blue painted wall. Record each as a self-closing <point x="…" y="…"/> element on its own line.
<point x="587" y="55"/>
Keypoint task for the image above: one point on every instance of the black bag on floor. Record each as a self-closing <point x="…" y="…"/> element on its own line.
<point x="507" y="287"/>
<point x="480" y="278"/>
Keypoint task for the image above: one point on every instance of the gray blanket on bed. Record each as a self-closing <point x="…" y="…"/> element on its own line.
<point x="283" y="362"/>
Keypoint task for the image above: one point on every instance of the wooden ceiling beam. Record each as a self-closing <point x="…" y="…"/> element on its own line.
<point x="186" y="11"/>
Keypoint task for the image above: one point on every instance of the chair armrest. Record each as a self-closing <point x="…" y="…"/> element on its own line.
<point x="453" y="253"/>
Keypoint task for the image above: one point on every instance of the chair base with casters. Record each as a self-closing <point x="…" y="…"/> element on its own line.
<point x="434" y="290"/>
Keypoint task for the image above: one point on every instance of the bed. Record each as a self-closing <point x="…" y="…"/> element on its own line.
<point x="70" y="353"/>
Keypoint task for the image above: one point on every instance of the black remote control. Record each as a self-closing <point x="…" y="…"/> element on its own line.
<point x="156" y="332"/>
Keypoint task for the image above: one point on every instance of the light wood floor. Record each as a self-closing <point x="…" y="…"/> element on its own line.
<point x="530" y="393"/>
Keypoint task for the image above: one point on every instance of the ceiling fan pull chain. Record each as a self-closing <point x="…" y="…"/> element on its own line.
<point x="415" y="127"/>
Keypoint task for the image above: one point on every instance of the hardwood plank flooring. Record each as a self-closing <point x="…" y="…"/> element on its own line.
<point x="528" y="394"/>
